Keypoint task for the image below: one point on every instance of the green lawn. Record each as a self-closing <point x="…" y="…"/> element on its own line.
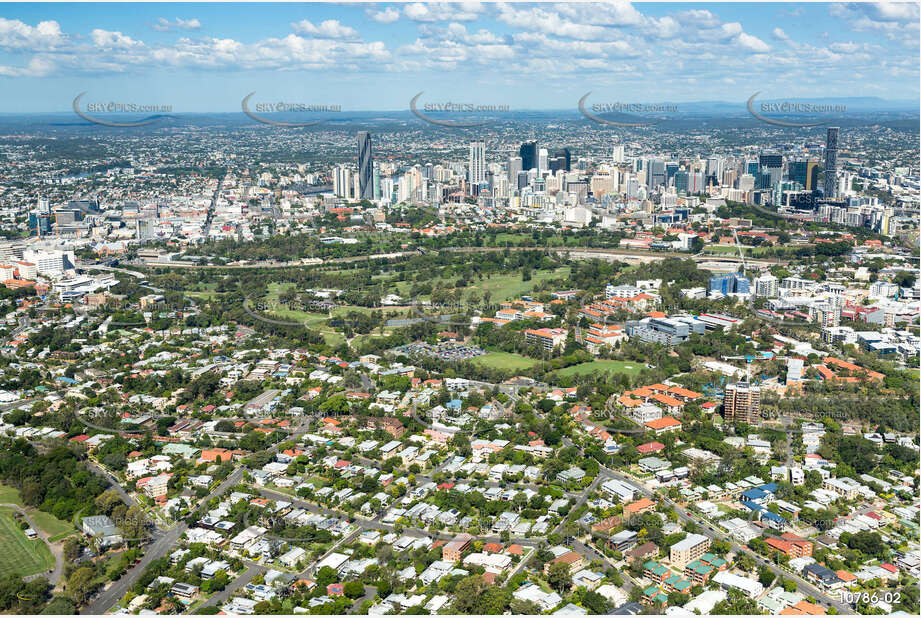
<point x="505" y="360"/>
<point x="628" y="367"/>
<point x="18" y="554"/>
<point x="9" y="495"/>
<point x="51" y="525"/>
<point x="501" y="287"/>
<point x="506" y="287"/>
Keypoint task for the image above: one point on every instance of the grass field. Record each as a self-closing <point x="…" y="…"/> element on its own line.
<point x="612" y="366"/>
<point x="501" y="287"/>
<point x="9" y="495"/>
<point x="51" y="525"/>
<point x="505" y="360"/>
<point x="18" y="554"/>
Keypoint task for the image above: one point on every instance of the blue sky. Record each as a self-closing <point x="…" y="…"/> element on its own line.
<point x="207" y="57"/>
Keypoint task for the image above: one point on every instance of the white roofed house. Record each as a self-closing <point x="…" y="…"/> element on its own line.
<point x="247" y="538"/>
<point x="292" y="557"/>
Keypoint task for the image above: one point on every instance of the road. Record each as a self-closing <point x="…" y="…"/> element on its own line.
<point x="160" y="547"/>
<point x="111" y="480"/>
<point x="710" y="531"/>
<point x="56" y="548"/>
<point x="241" y="580"/>
<point x="370" y="593"/>
<point x="572" y="252"/>
<point x="375" y="524"/>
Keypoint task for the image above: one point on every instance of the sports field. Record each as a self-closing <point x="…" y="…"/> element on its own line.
<point x="18" y="554"/>
<point x="612" y="366"/>
<point x="505" y="360"/>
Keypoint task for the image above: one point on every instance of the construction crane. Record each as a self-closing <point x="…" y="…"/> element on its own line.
<point x="750" y="358"/>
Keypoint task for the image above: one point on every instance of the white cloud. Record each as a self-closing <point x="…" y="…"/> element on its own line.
<point x="896" y="20"/>
<point x="780" y="35"/>
<point x="329" y="29"/>
<point x="15" y="34"/>
<point x="753" y="43"/>
<point x="107" y="38"/>
<point x="443" y="11"/>
<point x="37" y="67"/>
<point x="164" y="25"/>
<point x="387" y="16"/>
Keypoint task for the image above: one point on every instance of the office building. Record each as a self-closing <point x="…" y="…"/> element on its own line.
<point x="528" y="153"/>
<point x="771" y="169"/>
<point x="742" y="403"/>
<point x="681" y="181"/>
<point x="667" y="331"/>
<point x="566" y="155"/>
<point x="618" y="154"/>
<point x="514" y="166"/>
<point x="365" y="175"/>
<point x="655" y="173"/>
<point x="543" y="161"/>
<point x="805" y="173"/>
<point x="831" y="163"/>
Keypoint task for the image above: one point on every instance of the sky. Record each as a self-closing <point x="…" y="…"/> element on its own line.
<point x="364" y="56"/>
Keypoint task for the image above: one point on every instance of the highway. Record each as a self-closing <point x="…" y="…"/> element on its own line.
<point x="572" y="252"/>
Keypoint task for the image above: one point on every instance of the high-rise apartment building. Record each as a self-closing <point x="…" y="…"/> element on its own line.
<point x="477" y="163"/>
<point x="365" y="165"/>
<point x="742" y="403"/>
<point x="831" y="162"/>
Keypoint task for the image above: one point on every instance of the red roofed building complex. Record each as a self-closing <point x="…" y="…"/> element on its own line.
<point x="664" y="425"/>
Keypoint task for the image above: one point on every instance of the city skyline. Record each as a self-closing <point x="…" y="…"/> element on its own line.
<point x="206" y="58"/>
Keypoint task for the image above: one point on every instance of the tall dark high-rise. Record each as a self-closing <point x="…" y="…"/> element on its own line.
<point x="805" y="172"/>
<point x="528" y="152"/>
<point x="831" y="163"/>
<point x="365" y="165"/>
<point x="771" y="168"/>
<point x="566" y="154"/>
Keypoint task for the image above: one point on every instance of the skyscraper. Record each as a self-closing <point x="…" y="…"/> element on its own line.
<point x="543" y="160"/>
<point x="365" y="164"/>
<point x="805" y="172"/>
<point x="751" y="167"/>
<point x="831" y="162"/>
<point x="477" y="163"/>
<point x="618" y="154"/>
<point x="771" y="167"/>
<point x="742" y="403"/>
<point x="528" y="152"/>
<point x="566" y="154"/>
<point x="655" y="173"/>
<point x="681" y="181"/>
<point x="514" y="166"/>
